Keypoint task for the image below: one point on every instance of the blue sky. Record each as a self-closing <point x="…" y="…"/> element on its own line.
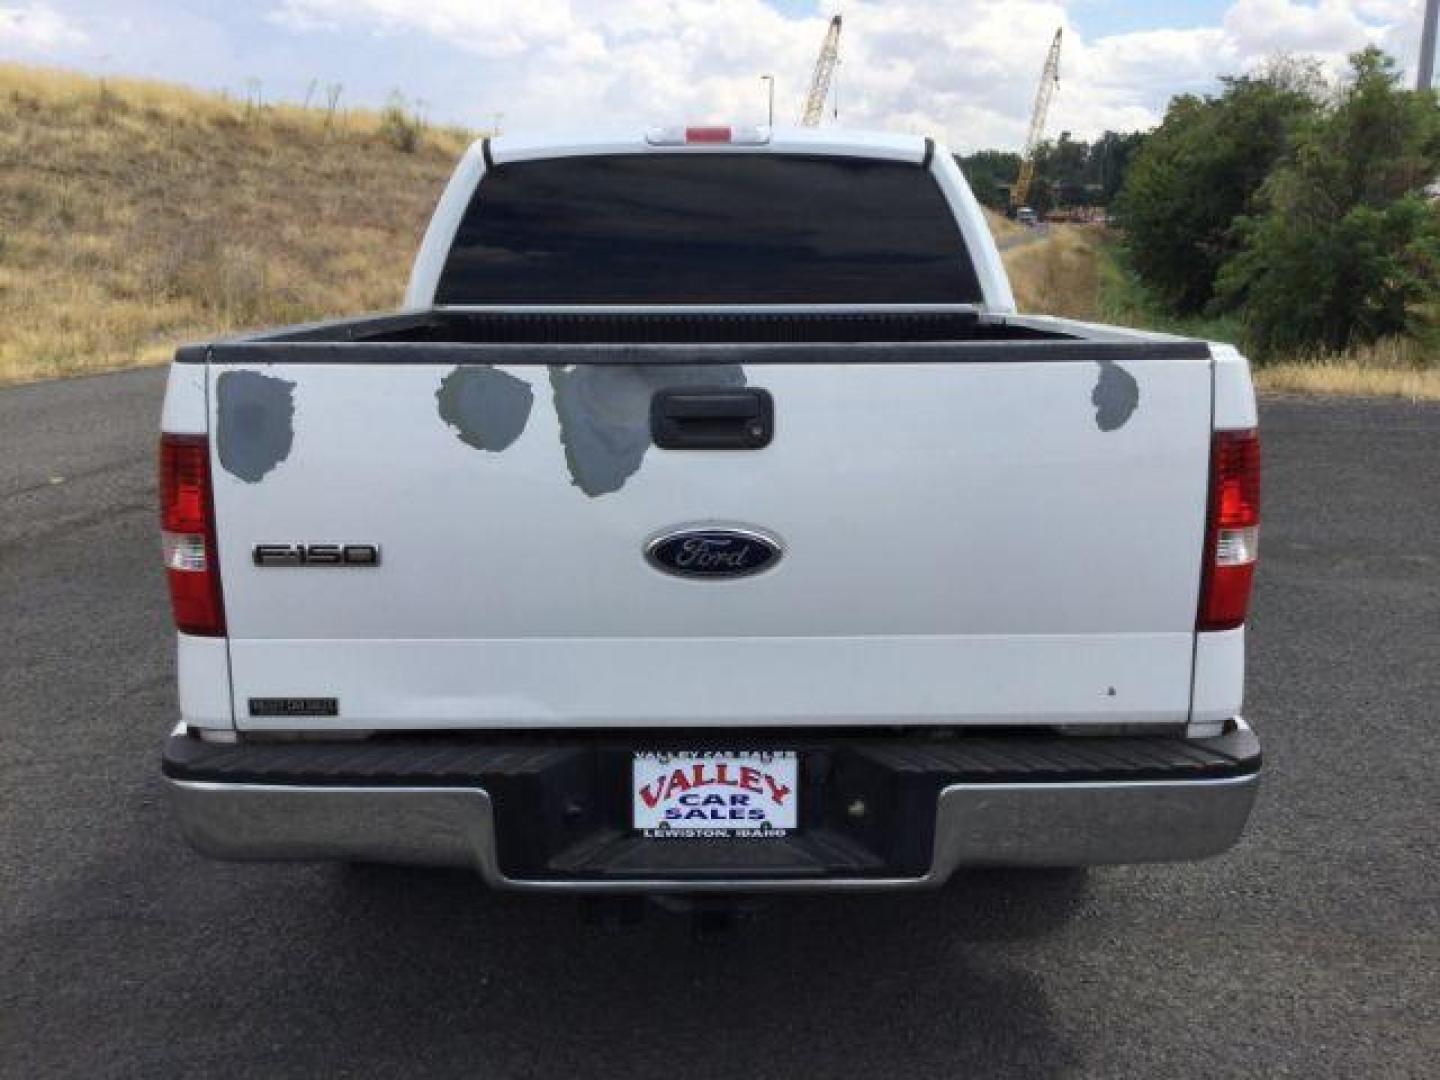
<point x="961" y="69"/>
<point x="1100" y="18"/>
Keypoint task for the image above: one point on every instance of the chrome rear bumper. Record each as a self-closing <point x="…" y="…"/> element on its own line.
<point x="1042" y="824"/>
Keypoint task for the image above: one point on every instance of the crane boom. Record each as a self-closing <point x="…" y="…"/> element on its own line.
<point x="820" y="81"/>
<point x="1049" y="80"/>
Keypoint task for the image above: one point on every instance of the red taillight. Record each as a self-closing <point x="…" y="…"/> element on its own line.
<point x="707" y="134"/>
<point x="187" y="523"/>
<point x="1232" y="534"/>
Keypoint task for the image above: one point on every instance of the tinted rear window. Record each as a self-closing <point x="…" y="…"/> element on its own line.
<point x="708" y="229"/>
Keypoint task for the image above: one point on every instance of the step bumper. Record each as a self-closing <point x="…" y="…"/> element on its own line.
<point x="961" y="820"/>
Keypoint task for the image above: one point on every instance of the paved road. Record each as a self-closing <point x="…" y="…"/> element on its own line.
<point x="1310" y="951"/>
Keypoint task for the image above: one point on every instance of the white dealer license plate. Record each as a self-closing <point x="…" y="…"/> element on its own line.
<point x="715" y="793"/>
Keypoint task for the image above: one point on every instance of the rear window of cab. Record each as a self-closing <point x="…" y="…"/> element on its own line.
<point x="708" y="229"/>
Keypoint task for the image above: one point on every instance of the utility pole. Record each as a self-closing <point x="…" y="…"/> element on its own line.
<point x="771" y="113"/>
<point x="1427" y="46"/>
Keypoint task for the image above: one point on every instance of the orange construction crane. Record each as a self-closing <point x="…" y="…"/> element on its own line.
<point x="820" y="81"/>
<point x="1049" y="81"/>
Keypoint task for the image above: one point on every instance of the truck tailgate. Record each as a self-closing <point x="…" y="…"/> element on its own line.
<point x="1009" y="542"/>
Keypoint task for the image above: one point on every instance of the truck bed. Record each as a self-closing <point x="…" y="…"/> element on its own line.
<point x="938" y="336"/>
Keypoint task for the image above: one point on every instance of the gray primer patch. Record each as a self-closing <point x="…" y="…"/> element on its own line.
<point x="256" y="423"/>
<point x="1115" y="397"/>
<point x="487" y="408"/>
<point x="604" y="413"/>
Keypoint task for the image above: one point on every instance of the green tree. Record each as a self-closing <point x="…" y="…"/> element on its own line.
<point x="1342" y="246"/>
<point x="1064" y="162"/>
<point x="1110" y="158"/>
<point x="991" y="172"/>
<point x="1067" y="171"/>
<point x="1199" y="171"/>
<point x="1062" y="172"/>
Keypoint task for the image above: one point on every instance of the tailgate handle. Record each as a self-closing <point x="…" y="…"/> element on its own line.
<point x="696" y="418"/>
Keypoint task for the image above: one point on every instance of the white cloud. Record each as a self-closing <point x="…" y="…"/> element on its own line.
<point x="1329" y="29"/>
<point x="486" y="28"/>
<point x="962" y="69"/>
<point x="301" y="19"/>
<point x="37" y="28"/>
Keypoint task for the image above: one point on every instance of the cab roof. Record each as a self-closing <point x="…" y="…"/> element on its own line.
<point x="707" y="139"/>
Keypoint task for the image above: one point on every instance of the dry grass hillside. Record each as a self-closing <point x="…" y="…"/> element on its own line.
<point x="136" y="215"/>
<point x="1001" y="226"/>
<point x="1058" y="275"/>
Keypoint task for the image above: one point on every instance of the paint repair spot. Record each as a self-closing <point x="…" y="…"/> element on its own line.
<point x="487" y="408"/>
<point x="256" y="423"/>
<point x="604" y="413"/>
<point x="1115" y="397"/>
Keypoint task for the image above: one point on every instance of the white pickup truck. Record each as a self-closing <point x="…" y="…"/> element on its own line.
<point x="710" y="521"/>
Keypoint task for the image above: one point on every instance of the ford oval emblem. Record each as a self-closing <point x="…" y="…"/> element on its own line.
<point x="713" y="553"/>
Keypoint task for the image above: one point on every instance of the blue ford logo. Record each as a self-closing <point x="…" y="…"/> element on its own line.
<point x="713" y="553"/>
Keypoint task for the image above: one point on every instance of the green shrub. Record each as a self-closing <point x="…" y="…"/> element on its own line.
<point x="1341" y="247"/>
<point x="1202" y="168"/>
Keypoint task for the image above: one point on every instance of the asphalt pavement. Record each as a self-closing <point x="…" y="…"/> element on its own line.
<point x="1311" y="950"/>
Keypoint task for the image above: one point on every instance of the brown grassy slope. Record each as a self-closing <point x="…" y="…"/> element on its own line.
<point x="139" y="215"/>
<point x="1001" y="225"/>
<point x="1057" y="275"/>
